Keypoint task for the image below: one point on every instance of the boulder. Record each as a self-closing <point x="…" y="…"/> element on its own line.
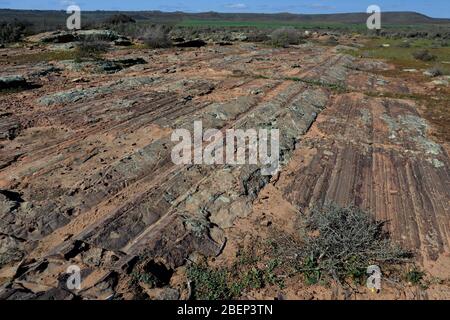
<point x="118" y="65"/>
<point x="13" y="81"/>
<point x="57" y="37"/>
<point x="106" y="35"/>
<point x="191" y="44"/>
<point x="123" y="41"/>
<point x="67" y="36"/>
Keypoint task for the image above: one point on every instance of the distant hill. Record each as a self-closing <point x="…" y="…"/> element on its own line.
<point x="56" y="19"/>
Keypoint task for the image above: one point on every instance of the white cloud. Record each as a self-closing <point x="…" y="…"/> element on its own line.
<point x="320" y="6"/>
<point x="67" y="3"/>
<point x="236" y="6"/>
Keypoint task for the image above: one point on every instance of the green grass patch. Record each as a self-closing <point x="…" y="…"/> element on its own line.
<point x="248" y="272"/>
<point x="403" y="56"/>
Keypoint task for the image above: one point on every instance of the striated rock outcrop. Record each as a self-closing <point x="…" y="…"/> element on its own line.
<point x="86" y="176"/>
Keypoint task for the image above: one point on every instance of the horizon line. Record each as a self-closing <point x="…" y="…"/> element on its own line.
<point x="224" y="12"/>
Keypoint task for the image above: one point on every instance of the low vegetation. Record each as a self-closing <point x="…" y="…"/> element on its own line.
<point x="156" y="37"/>
<point x="221" y="283"/>
<point x="423" y="55"/>
<point x="284" y="37"/>
<point x="333" y="243"/>
<point x="91" y="48"/>
<point x="415" y="276"/>
<point x="145" y="278"/>
<point x="257" y="36"/>
<point x="118" y="19"/>
<point x="420" y="54"/>
<point x="12" y="31"/>
<point x="340" y="243"/>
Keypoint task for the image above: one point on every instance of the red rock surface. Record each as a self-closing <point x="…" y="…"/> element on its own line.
<point x="86" y="176"/>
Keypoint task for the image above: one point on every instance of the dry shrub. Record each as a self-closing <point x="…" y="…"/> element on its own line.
<point x="284" y="37"/>
<point x="12" y="31"/>
<point x="338" y="243"/>
<point x="156" y="37"/>
<point x="257" y="36"/>
<point x="423" y="55"/>
<point x="92" y="49"/>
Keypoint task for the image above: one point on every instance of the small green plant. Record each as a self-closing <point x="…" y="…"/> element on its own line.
<point x="253" y="279"/>
<point x="311" y="271"/>
<point x="270" y="274"/>
<point x="415" y="276"/>
<point x="208" y="283"/>
<point x="230" y="282"/>
<point x="146" y="278"/>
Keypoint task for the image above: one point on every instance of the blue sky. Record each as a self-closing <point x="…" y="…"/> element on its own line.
<point x="434" y="8"/>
